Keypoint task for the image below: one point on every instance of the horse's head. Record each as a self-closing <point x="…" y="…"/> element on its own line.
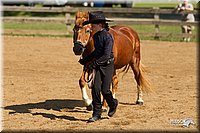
<point x="81" y="32"/>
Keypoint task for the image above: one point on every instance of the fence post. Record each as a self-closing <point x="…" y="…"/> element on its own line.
<point x="67" y="18"/>
<point x="157" y="28"/>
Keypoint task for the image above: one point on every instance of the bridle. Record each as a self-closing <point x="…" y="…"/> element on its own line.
<point x="75" y="29"/>
<point x="79" y="47"/>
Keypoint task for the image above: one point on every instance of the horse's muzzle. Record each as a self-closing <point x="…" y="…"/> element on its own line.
<point x="78" y="48"/>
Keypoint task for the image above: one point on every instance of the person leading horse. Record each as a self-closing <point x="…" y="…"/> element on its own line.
<point x="102" y="63"/>
<point x="126" y="52"/>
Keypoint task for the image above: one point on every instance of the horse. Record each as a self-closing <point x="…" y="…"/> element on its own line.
<point x="126" y="50"/>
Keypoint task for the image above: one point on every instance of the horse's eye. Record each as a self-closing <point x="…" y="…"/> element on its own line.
<point x="87" y="31"/>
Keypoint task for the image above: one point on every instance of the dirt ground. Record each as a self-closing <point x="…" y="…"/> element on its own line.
<point x="41" y="91"/>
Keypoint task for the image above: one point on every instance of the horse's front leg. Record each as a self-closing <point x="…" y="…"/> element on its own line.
<point x="83" y="86"/>
<point x="114" y="89"/>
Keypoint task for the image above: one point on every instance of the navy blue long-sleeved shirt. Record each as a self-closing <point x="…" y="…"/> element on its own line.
<point x="103" y="43"/>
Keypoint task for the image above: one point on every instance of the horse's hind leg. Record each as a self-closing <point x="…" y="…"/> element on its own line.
<point x="114" y="89"/>
<point x="114" y="83"/>
<point x="135" y="64"/>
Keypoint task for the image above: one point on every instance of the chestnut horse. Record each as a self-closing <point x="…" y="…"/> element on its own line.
<point x="126" y="50"/>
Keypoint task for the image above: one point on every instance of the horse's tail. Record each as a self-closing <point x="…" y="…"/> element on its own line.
<point x="124" y="70"/>
<point x="144" y="83"/>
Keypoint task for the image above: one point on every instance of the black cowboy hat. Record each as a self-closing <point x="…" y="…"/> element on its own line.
<point x="96" y="17"/>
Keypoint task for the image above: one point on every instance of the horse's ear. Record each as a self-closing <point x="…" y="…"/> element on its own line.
<point x="88" y="15"/>
<point x="78" y="14"/>
<point x="85" y="15"/>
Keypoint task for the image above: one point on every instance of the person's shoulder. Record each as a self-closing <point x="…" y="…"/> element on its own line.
<point x="190" y="4"/>
<point x="104" y="32"/>
<point x="106" y="35"/>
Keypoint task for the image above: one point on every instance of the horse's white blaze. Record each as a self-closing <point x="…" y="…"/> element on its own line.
<point x="85" y="97"/>
<point x="83" y="43"/>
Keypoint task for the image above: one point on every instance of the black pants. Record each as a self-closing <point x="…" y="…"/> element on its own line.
<point x="102" y="82"/>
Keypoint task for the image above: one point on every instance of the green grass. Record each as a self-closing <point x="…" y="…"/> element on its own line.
<point x="167" y="5"/>
<point x="34" y="26"/>
<point x="59" y="26"/>
<point x="159" y="4"/>
<point x="33" y="14"/>
<point x="41" y="35"/>
<point x="62" y="27"/>
<point x="163" y="29"/>
<point x="151" y="28"/>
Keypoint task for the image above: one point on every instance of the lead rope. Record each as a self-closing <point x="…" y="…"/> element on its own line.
<point x="90" y="78"/>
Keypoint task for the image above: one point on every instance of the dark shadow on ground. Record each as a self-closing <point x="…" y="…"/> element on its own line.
<point x="55" y="104"/>
<point x="66" y="105"/>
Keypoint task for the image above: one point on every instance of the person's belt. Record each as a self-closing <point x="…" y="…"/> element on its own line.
<point x="110" y="60"/>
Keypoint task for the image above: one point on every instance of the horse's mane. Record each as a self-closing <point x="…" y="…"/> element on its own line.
<point x="81" y="17"/>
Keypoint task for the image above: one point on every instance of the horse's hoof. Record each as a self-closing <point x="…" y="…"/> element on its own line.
<point x="89" y="107"/>
<point x="139" y="103"/>
<point x="104" y="110"/>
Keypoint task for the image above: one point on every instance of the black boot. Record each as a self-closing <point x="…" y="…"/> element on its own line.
<point x="94" y="118"/>
<point x="112" y="110"/>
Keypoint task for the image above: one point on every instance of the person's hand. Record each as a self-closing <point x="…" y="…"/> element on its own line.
<point x="182" y="8"/>
<point x="91" y="65"/>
